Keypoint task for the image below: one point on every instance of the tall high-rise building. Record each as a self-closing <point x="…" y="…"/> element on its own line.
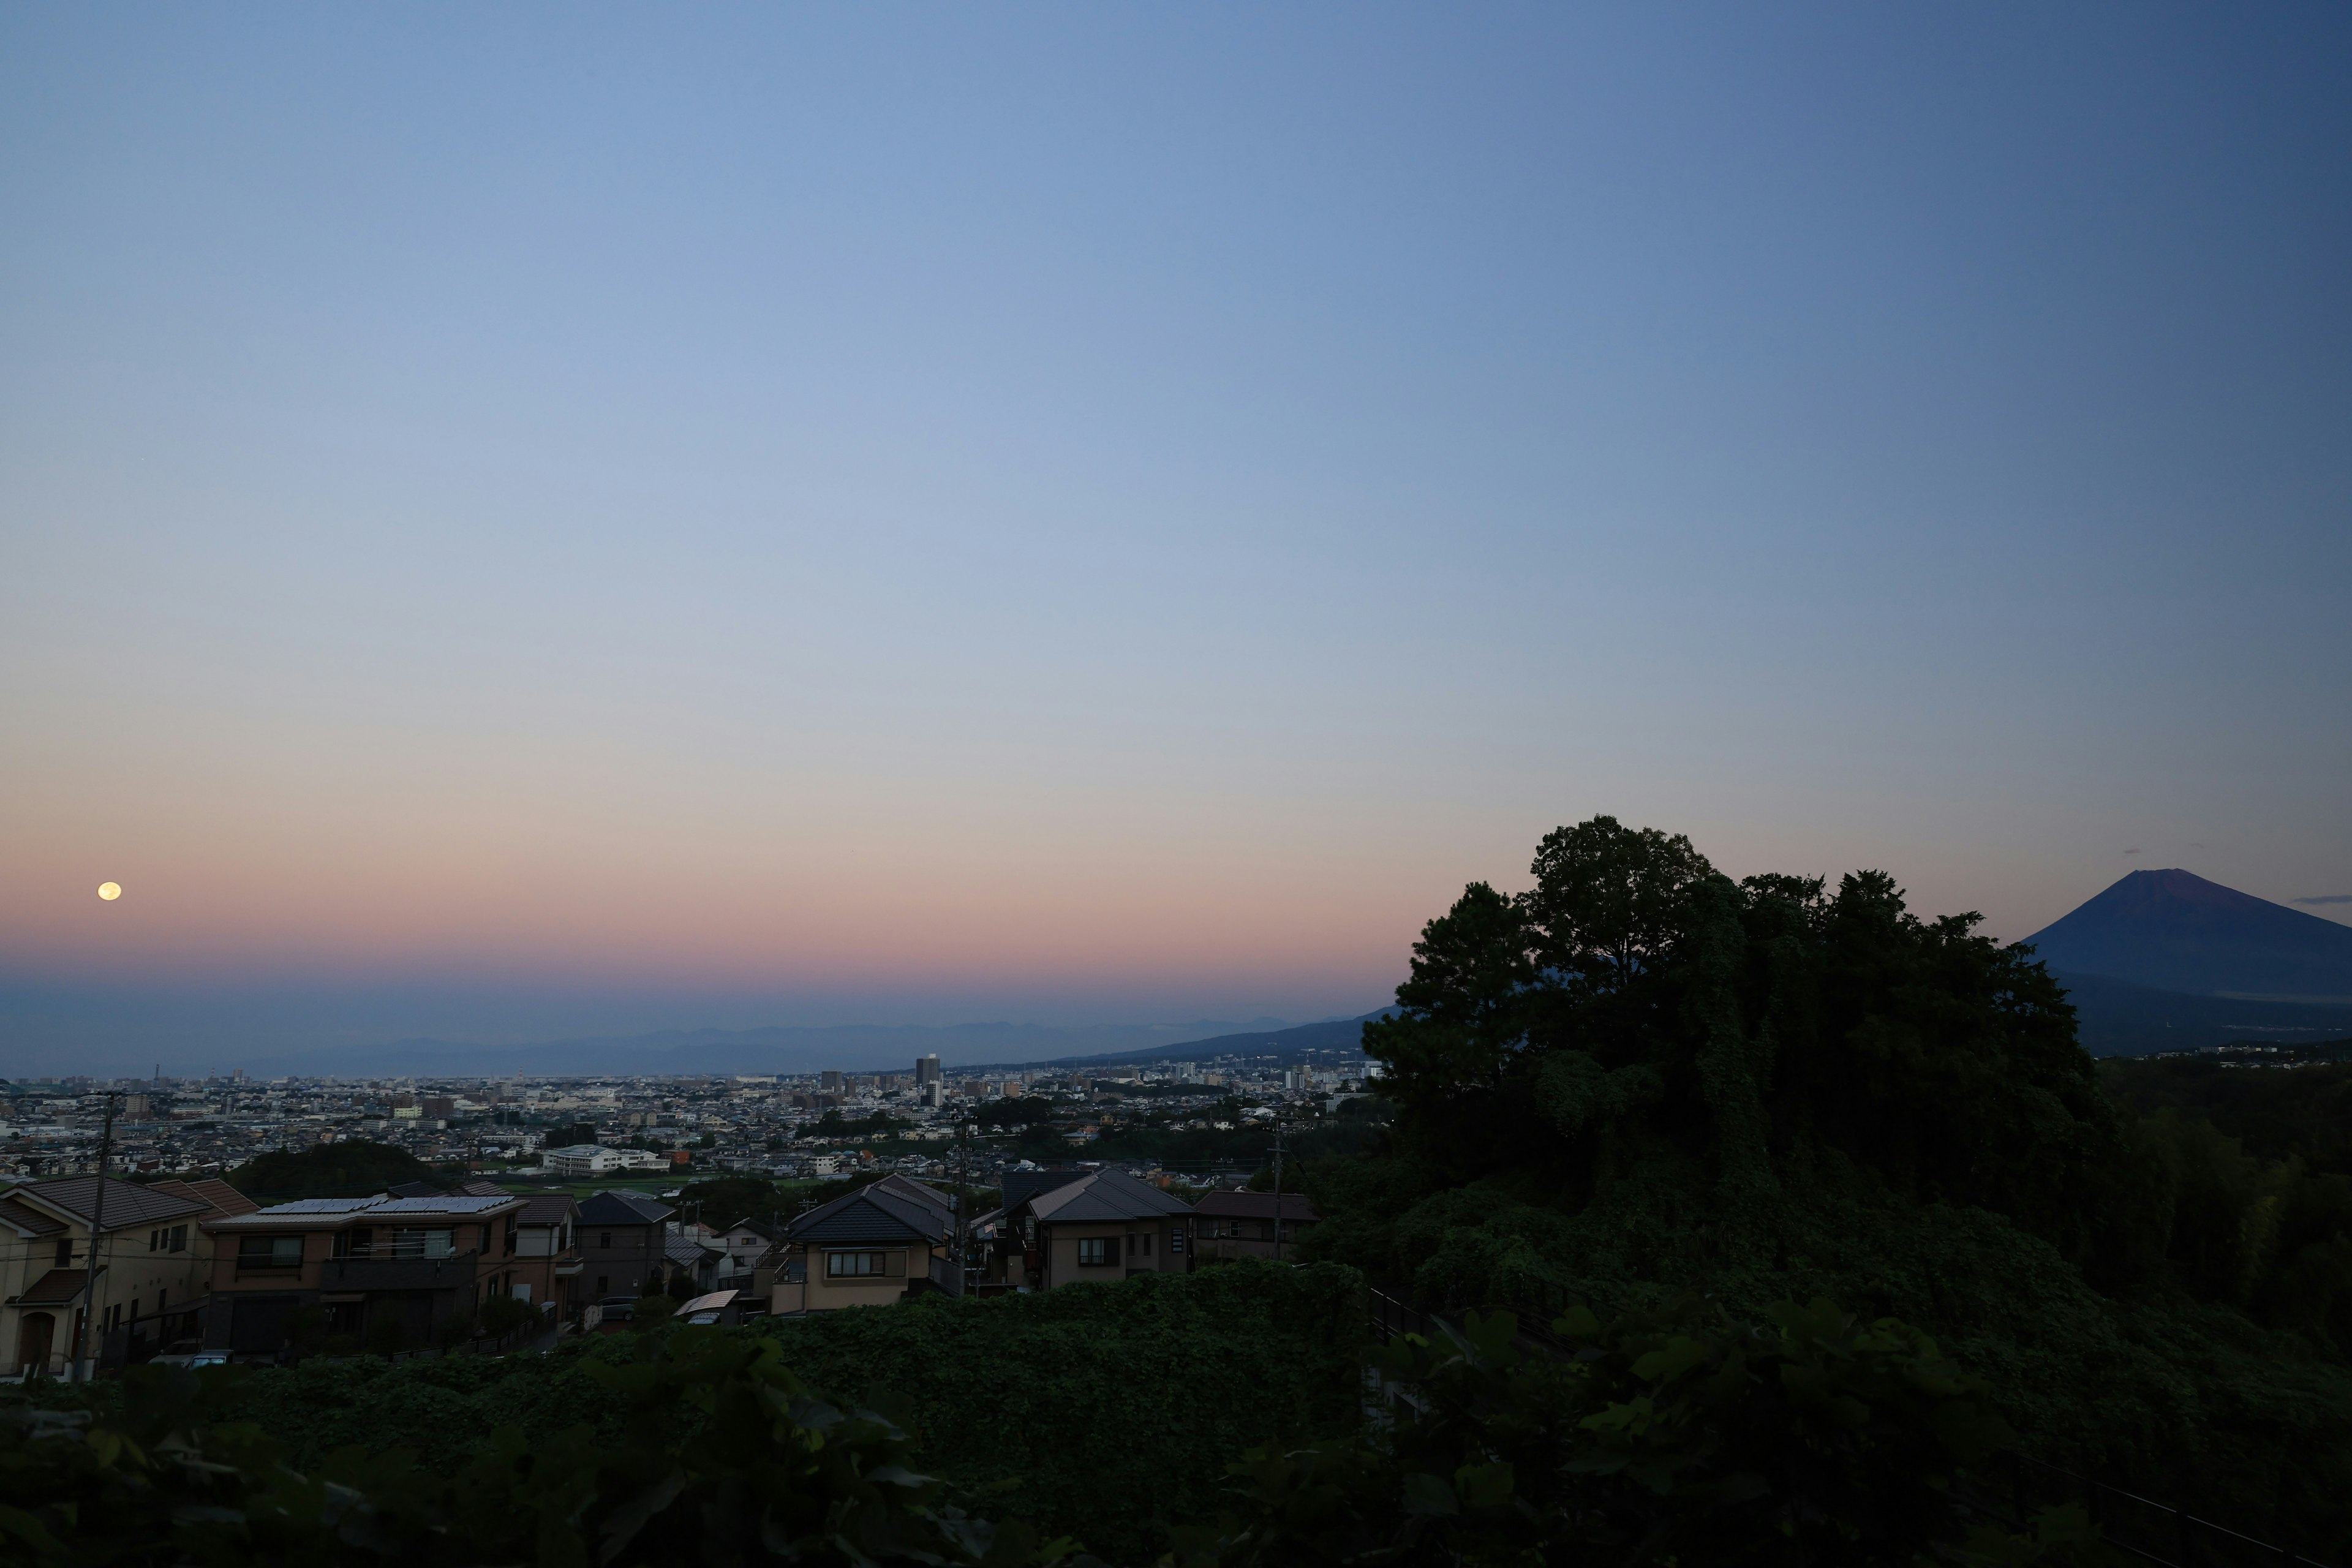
<point x="926" y="1070"/>
<point x="830" y="1080"/>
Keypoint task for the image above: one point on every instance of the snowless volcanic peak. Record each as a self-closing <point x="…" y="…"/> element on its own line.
<point x="2176" y="930"/>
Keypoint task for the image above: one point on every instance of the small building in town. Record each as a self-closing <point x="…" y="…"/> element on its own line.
<point x="155" y="1268"/>
<point x="395" y="1271"/>
<point x="1245" y="1224"/>
<point x="867" y="1248"/>
<point x="623" y="1244"/>
<point x="1102" y="1225"/>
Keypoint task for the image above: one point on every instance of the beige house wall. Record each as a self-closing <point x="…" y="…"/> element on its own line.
<point x="1062" y="1265"/>
<point x="130" y="1274"/>
<point x="823" y="1294"/>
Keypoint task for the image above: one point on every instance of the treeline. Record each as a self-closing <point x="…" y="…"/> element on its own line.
<point x="2242" y="1185"/>
<point x="337" y="1170"/>
<point x="1641" y="1079"/>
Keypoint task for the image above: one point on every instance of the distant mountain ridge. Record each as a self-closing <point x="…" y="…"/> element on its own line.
<point x="2174" y="930"/>
<point x="855" y="1047"/>
<point x="1328" y="1035"/>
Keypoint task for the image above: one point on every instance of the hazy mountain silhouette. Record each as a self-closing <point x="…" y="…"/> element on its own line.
<point x="855" y="1047"/>
<point x="2174" y="930"/>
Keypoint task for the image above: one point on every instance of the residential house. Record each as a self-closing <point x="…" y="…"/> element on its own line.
<point x="396" y="1269"/>
<point x="153" y="1268"/>
<point x="1106" y="1224"/>
<point x="745" y="1243"/>
<point x="1243" y="1224"/>
<point x="547" y="1262"/>
<point x="620" y="1243"/>
<point x="688" y="1252"/>
<point x="868" y="1248"/>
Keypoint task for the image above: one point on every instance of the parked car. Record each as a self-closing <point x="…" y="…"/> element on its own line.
<point x="618" y="1308"/>
<point x="189" y="1353"/>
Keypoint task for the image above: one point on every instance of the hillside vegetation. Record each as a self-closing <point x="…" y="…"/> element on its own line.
<point x="1641" y="1080"/>
<point x="1105" y="1413"/>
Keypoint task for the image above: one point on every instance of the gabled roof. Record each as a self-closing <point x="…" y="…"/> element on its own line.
<point x="1019" y="1187"/>
<point x="909" y="1188"/>
<point x="223" y="1198"/>
<point x="548" y="1208"/>
<point x="685" y="1252"/>
<point x="876" y="1213"/>
<point x="127" y="1202"/>
<point x="29" y="1220"/>
<point x="610" y="1207"/>
<point x="1256" y="1205"/>
<point x="478" y="1188"/>
<point x="1105" y="1195"/>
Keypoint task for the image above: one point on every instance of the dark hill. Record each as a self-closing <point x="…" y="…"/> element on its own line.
<point x="2117" y="1019"/>
<point x="1288" y="1045"/>
<point x="2175" y="930"/>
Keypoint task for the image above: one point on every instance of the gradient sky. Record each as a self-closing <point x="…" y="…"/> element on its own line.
<point x="523" y="520"/>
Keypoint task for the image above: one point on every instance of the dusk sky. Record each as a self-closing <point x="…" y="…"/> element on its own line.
<point x="528" y="520"/>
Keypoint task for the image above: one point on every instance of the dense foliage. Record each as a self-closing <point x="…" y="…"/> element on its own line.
<point x="727" y="1200"/>
<point x="720" y="1456"/>
<point x="1682" y="1438"/>
<point x="1687" y="1437"/>
<point x="1106" y="1413"/>
<point x="351" y="1169"/>
<point x="1639" y="1079"/>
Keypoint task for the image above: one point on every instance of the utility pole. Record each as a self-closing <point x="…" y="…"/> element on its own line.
<point x="1278" y="1187"/>
<point x="963" y="1172"/>
<point x="82" y="1372"/>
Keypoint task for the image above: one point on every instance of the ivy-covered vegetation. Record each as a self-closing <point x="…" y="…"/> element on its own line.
<point x="1640" y="1079"/>
<point x="1814" y="1440"/>
<point x="1107" y="1413"/>
<point x="715" y="1454"/>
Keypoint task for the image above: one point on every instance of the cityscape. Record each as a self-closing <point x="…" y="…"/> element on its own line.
<point x="786" y="1127"/>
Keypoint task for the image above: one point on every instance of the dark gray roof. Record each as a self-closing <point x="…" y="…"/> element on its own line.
<point x="609" y="1207"/>
<point x="872" y="1214"/>
<point x="908" y="1187"/>
<point x="1256" y="1205"/>
<point x="1105" y="1195"/>
<point x="127" y="1202"/>
<point x="547" y="1208"/>
<point x="684" y="1251"/>
<point x="1019" y="1187"/>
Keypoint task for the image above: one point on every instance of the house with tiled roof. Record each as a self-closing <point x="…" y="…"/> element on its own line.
<point x="1254" y="1225"/>
<point x="153" y="1268"/>
<point x="1103" y="1225"/>
<point x="622" y="1249"/>
<point x="868" y="1248"/>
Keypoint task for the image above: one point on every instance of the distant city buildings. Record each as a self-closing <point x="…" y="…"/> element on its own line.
<point x="579" y="1129"/>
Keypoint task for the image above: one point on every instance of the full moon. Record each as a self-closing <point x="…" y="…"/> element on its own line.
<point x="109" y="891"/>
